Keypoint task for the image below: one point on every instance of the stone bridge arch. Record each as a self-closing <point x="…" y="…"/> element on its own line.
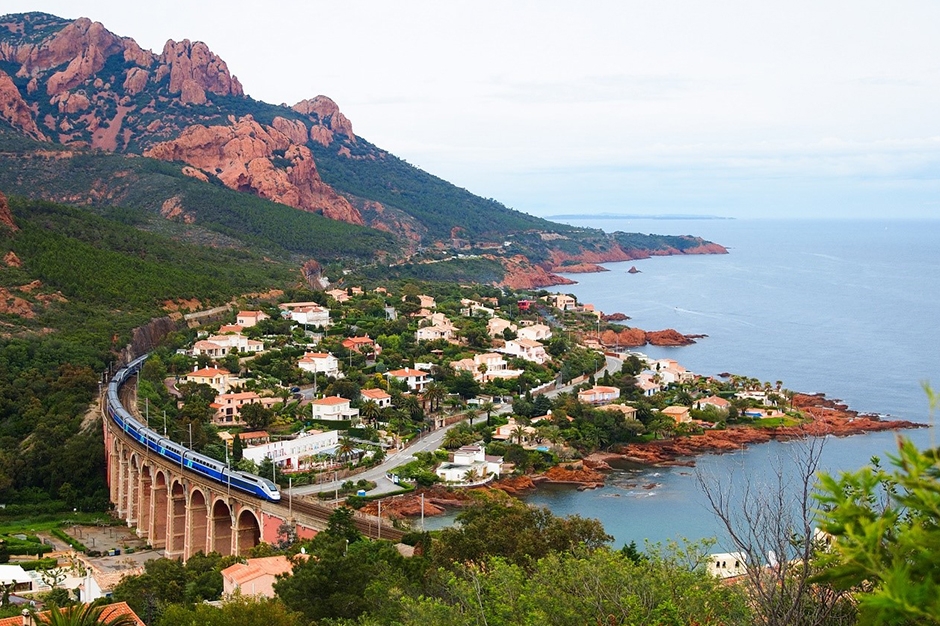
<point x="248" y="531"/>
<point x="176" y="519"/>
<point x="221" y="521"/>
<point x="197" y="523"/>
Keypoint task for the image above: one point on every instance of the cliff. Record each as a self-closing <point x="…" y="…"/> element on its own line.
<point x="242" y="156"/>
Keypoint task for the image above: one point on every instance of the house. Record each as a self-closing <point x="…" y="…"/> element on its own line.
<point x="470" y="308"/>
<point x="526" y="349"/>
<point x="250" y="438"/>
<point x="726" y="564"/>
<point x="333" y="408"/>
<point x="415" y="379"/>
<point x="436" y="331"/>
<point x="628" y="412"/>
<point x="507" y="432"/>
<point x="670" y="371"/>
<point x="320" y="363"/>
<point x="486" y="367"/>
<point x="535" y="332"/>
<point x="237" y="343"/>
<point x="255" y="577"/>
<point x="599" y="394"/>
<point x="295" y="453"/>
<point x="339" y="295"/>
<point x="228" y="407"/>
<point x="648" y="383"/>
<point x="362" y="345"/>
<point x="310" y="313"/>
<point x="562" y="301"/>
<point x="108" y="613"/>
<point x="427" y="302"/>
<point x="219" y="379"/>
<point x="247" y="319"/>
<point x="713" y="401"/>
<point x="496" y="326"/>
<point x="470" y="462"/>
<point x="679" y="413"/>
<point x="380" y="397"/>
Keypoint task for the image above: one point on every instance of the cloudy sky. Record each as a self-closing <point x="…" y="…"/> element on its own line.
<point x="738" y="109"/>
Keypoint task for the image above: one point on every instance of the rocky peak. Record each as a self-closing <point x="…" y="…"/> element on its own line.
<point x="325" y="112"/>
<point x="194" y="70"/>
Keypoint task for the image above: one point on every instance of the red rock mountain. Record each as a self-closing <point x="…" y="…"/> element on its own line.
<point x="93" y="88"/>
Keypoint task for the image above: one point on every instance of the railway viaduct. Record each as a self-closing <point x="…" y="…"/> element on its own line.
<point x="182" y="512"/>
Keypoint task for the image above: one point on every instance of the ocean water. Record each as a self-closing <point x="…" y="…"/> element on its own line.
<point x="848" y="308"/>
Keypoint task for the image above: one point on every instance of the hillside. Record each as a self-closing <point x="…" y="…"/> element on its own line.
<point x="79" y="98"/>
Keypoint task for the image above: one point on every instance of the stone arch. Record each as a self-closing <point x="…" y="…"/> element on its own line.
<point x="132" y="480"/>
<point x="117" y="462"/>
<point x="197" y="525"/>
<point x="145" y="502"/>
<point x="176" y="535"/>
<point x="248" y="531"/>
<point x="159" y="509"/>
<point x="220" y="520"/>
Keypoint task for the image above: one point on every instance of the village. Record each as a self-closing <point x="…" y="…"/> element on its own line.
<point x="326" y="396"/>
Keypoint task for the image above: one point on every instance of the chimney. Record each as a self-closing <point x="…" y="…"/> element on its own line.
<point x="27" y="617"/>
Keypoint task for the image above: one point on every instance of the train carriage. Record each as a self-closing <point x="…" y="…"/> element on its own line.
<point x="175" y="452"/>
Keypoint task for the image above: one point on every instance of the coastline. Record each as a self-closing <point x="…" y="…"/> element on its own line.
<point x="827" y="417"/>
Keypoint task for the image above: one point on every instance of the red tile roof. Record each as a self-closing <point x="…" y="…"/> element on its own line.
<point x="110" y="612"/>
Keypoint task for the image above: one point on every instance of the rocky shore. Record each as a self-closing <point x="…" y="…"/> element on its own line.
<point x="826" y="417"/>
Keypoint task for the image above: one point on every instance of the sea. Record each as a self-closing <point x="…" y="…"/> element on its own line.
<point x="846" y="308"/>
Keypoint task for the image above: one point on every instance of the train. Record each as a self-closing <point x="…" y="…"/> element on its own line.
<point x="176" y="453"/>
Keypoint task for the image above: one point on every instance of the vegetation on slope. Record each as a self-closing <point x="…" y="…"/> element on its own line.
<point x="97" y="280"/>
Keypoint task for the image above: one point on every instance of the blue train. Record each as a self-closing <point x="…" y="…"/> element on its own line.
<point x="176" y="453"/>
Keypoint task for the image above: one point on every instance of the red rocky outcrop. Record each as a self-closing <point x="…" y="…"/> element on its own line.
<point x="194" y="70"/>
<point x="241" y="156"/>
<point x="325" y="113"/>
<point x="15" y="110"/>
<point x="6" y="218"/>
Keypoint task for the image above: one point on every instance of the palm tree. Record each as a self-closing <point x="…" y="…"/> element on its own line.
<point x="85" y="615"/>
<point x="487" y="407"/>
<point x="411" y="406"/>
<point x="471" y="475"/>
<point x="345" y="447"/>
<point x="471" y="414"/>
<point x="518" y="432"/>
<point x="435" y="394"/>
<point x="370" y="411"/>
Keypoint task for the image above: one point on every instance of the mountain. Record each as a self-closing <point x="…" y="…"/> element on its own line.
<point x="81" y="106"/>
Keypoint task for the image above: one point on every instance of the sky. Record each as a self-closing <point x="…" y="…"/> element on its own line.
<point x="723" y="108"/>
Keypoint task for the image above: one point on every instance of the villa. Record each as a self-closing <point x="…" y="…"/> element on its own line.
<point x="471" y="465"/>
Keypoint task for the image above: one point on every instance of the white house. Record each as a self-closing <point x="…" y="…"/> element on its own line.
<point x="320" y="363"/>
<point x="526" y="349"/>
<point x="440" y="328"/>
<point x="379" y="396"/>
<point x="495" y="367"/>
<point x="415" y="379"/>
<point x="713" y="401"/>
<point x="535" y="332"/>
<point x="293" y="453"/>
<point x="333" y="408"/>
<point x="727" y="564"/>
<point x="470" y="461"/>
<point x="309" y="313"/>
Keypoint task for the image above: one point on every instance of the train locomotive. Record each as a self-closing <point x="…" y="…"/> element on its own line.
<point x="176" y="453"/>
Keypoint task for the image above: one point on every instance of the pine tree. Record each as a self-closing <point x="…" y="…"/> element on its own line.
<point x="237" y="449"/>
